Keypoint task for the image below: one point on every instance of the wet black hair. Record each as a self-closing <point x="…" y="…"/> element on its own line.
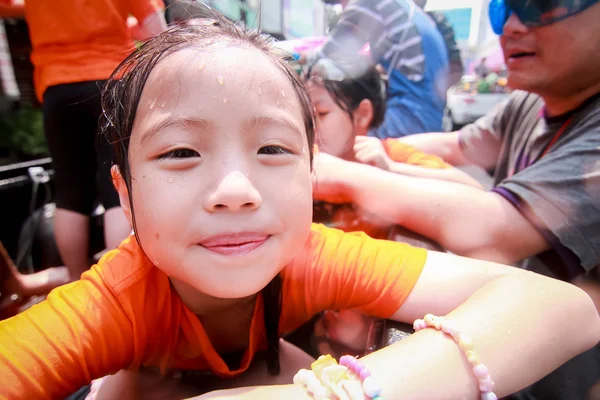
<point x="121" y="97"/>
<point x="362" y="81"/>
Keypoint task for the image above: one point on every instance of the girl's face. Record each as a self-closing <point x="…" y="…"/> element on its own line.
<point x="336" y="131"/>
<point x="220" y="167"/>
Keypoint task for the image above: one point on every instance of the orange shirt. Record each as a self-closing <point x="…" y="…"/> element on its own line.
<point x="404" y="153"/>
<point x="80" y="40"/>
<point x="349" y="218"/>
<point x="124" y="313"/>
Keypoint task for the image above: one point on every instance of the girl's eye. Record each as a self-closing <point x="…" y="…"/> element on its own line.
<point x="322" y="114"/>
<point x="180" y="153"/>
<point x="270" y="150"/>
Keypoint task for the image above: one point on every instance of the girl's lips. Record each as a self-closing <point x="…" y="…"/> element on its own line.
<point x="235" y="244"/>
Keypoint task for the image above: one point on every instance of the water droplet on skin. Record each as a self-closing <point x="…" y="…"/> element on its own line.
<point x="224" y="100"/>
<point x="163" y="105"/>
<point x="220" y="80"/>
<point x="201" y="66"/>
<point x="259" y="91"/>
<point x="170" y="180"/>
<point x="152" y="105"/>
<point x="278" y="104"/>
<point x="282" y="93"/>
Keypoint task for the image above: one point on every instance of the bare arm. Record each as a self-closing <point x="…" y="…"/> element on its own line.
<point x="444" y="145"/>
<point x="451" y="174"/>
<point x="522" y="326"/>
<point x="464" y="220"/>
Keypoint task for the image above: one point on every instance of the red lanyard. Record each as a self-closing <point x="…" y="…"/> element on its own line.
<point x="520" y="160"/>
<point x="557" y="136"/>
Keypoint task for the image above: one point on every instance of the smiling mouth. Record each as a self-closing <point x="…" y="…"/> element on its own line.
<point x="521" y="55"/>
<point x="235" y="245"/>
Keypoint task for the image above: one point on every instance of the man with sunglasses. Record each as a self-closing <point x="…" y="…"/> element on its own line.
<point x="543" y="146"/>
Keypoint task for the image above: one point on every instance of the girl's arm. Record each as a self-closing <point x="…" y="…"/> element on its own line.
<point x="523" y="326"/>
<point x="398" y="157"/>
<point x="80" y="332"/>
<point x="448" y="174"/>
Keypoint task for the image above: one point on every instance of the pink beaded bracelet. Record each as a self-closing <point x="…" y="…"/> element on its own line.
<point x="371" y="387"/>
<point x="481" y="372"/>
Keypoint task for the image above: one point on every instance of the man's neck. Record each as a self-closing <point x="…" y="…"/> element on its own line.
<point x="559" y="105"/>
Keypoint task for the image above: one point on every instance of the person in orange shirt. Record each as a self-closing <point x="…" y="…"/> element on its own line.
<point x="213" y="170"/>
<point x="76" y="46"/>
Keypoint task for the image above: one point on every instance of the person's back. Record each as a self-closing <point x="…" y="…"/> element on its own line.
<point x="421" y="95"/>
<point x="406" y="43"/>
<point x="78" y="40"/>
<point x="445" y="28"/>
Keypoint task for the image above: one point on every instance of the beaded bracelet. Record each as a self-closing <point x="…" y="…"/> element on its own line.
<point x="312" y="384"/>
<point x="328" y="378"/>
<point x="481" y="372"/>
<point x="371" y="387"/>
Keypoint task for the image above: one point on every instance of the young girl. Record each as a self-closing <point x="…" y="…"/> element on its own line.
<point x="213" y="137"/>
<point x="349" y="97"/>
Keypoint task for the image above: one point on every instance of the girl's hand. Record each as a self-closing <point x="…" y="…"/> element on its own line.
<point x="370" y="150"/>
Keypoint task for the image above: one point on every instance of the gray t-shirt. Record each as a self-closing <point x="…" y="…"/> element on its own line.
<point x="556" y="187"/>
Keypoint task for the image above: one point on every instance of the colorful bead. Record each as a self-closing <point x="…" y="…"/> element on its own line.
<point x="419" y="324"/>
<point x="480" y="371"/>
<point x="447" y="327"/>
<point x="489" y="396"/>
<point x="486" y="384"/>
<point x="371" y="387"/>
<point x="472" y="357"/>
<point x="465" y="343"/>
<point x="429" y="319"/>
<point x="364" y="374"/>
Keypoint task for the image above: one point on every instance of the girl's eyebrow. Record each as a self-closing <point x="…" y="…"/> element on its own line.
<point x="174" y="121"/>
<point x="279" y="120"/>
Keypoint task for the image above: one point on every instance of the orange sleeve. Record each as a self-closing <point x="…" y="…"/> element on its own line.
<point x="141" y="9"/>
<point x="79" y="333"/>
<point x="404" y="153"/>
<point x="338" y="270"/>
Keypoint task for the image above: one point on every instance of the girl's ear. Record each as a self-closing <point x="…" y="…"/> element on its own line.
<point x="363" y="115"/>
<point x="121" y="188"/>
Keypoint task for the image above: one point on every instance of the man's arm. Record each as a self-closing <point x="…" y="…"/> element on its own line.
<point x="463" y="219"/>
<point x="443" y="145"/>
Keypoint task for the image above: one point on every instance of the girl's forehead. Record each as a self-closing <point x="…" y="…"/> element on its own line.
<point x="218" y="67"/>
<point x="216" y="83"/>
